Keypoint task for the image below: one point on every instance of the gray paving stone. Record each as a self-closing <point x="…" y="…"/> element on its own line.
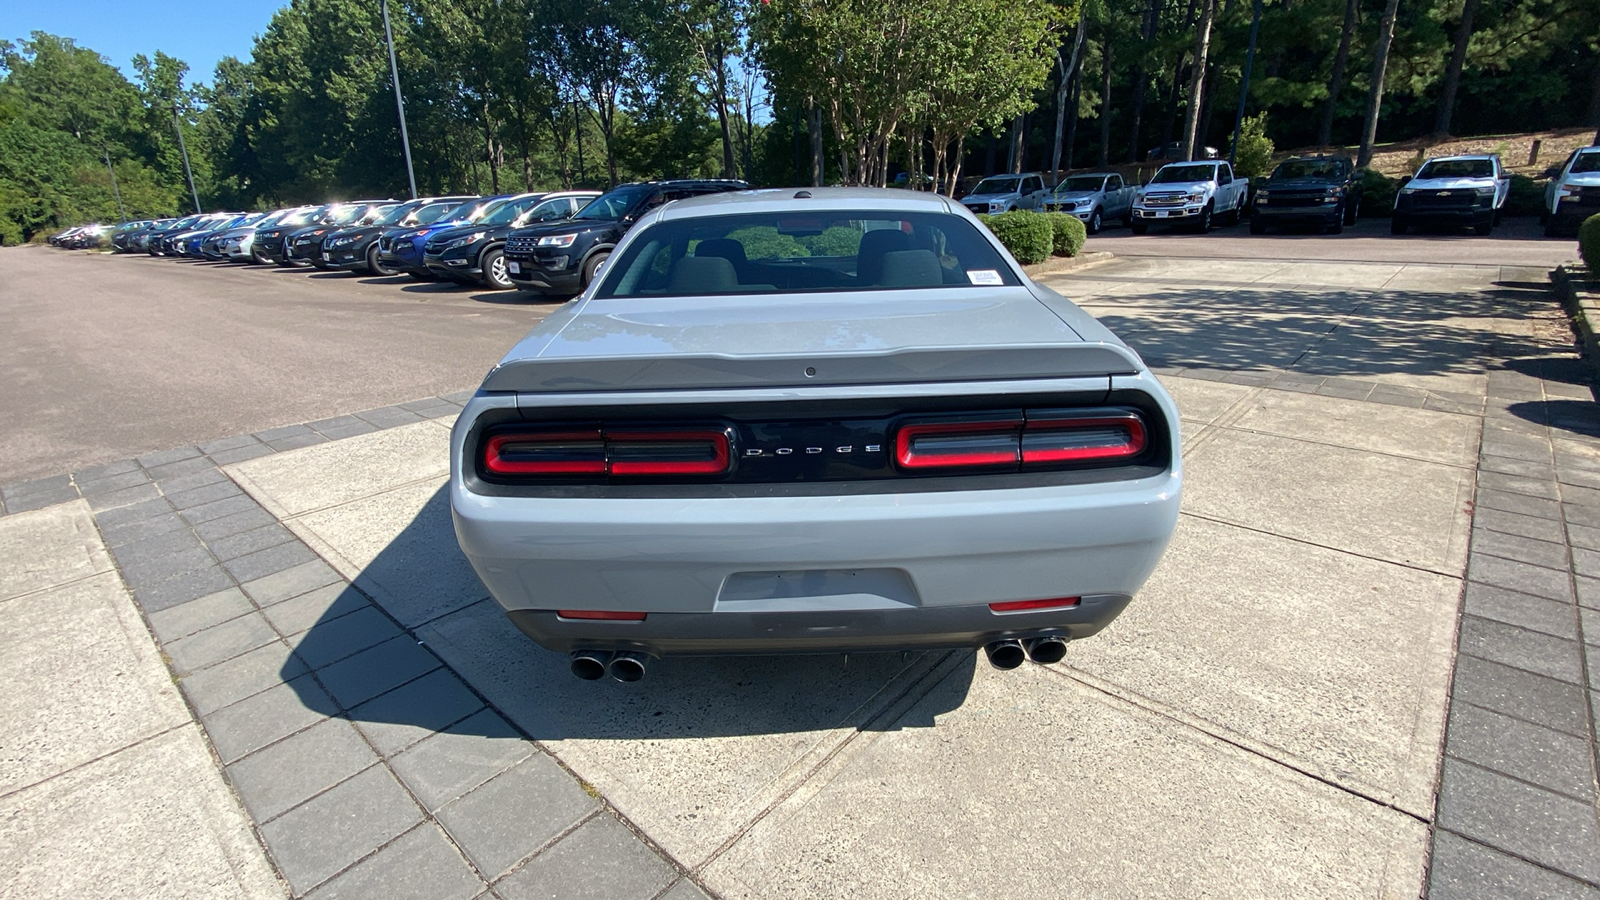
<point x="1551" y="617"/>
<point x="1344" y="391"/>
<point x="1532" y="753"/>
<point x="1578" y="477"/>
<point x="458" y="759"/>
<point x="1521" y="819"/>
<point x="153" y="548"/>
<point x="420" y="708"/>
<point x="179" y="484"/>
<point x="243" y="676"/>
<point x="247" y="542"/>
<point x="269" y="561"/>
<point x="515" y="813"/>
<point x="1532" y="487"/>
<point x="234" y="524"/>
<point x="1413" y="399"/>
<point x="1521" y="504"/>
<point x="219" y="643"/>
<point x="1520" y="468"/>
<point x="269" y="716"/>
<point x="1520" y="549"/>
<point x="1515" y="445"/>
<point x="1586" y="562"/>
<point x="97" y="486"/>
<point x="1574" y="495"/>
<point x="1453" y="407"/>
<point x="181" y="589"/>
<point x="1509" y="645"/>
<point x="1581" y="515"/>
<point x="41" y="500"/>
<point x="1583" y="536"/>
<point x="198" y="615"/>
<point x="273" y="434"/>
<point x="149" y="570"/>
<point x="421" y="865"/>
<point x="296" y="441"/>
<point x="107" y="470"/>
<point x="230" y="443"/>
<point x="601" y="859"/>
<point x="335" y="422"/>
<point x="318" y="839"/>
<point x="206" y="493"/>
<point x="283" y="775"/>
<point x="338" y="638"/>
<point x="115" y="519"/>
<point x="124" y="497"/>
<point x="217" y="509"/>
<point x="1588" y="592"/>
<point x="371" y="672"/>
<point x="295" y="615"/>
<point x="168" y="456"/>
<point x="1520" y="694"/>
<point x="1465" y="870"/>
<point x="241" y="454"/>
<point x="181" y="467"/>
<point x="459" y="398"/>
<point x="117" y="533"/>
<point x="1297" y="387"/>
<point x="1517" y="576"/>
<point x="685" y="890"/>
<point x="388" y="417"/>
<point x="340" y="432"/>
<point x="290" y="582"/>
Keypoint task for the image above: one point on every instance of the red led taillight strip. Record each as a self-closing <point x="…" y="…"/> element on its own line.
<point x="1011" y="606"/>
<point x="597" y="451"/>
<point x="638" y="447"/>
<point x="1049" y="437"/>
<point x="948" y="445"/>
<point x="1083" y="438"/>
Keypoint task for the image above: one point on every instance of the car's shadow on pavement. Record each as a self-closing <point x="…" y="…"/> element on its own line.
<point x="400" y="280"/>
<point x="518" y="298"/>
<point x="381" y="665"/>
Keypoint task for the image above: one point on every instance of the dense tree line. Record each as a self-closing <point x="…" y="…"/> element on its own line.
<point x="503" y="95"/>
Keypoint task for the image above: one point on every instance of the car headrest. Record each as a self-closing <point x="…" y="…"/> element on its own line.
<point x="703" y="275"/>
<point x="874" y="244"/>
<point x="727" y="248"/>
<point x="910" y="268"/>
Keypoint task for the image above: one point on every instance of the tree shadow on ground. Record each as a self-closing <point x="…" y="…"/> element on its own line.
<point x="420" y="582"/>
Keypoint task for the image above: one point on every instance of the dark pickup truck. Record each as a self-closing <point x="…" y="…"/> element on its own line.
<point x="1315" y="191"/>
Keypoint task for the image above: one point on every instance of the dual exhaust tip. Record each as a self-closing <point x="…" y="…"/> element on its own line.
<point x="592" y="665"/>
<point x="1009" y="654"/>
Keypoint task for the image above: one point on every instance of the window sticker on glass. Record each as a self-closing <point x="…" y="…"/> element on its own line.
<point x="984" y="276"/>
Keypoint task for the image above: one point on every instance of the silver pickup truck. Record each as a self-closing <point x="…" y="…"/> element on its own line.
<point x="1093" y="197"/>
<point x="1190" y="193"/>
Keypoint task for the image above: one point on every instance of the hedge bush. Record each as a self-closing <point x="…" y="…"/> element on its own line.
<point x="1589" y="242"/>
<point x="1377" y="193"/>
<point x="1067" y="234"/>
<point x="1028" y="235"/>
<point x="1254" y="155"/>
<point x="1526" y="197"/>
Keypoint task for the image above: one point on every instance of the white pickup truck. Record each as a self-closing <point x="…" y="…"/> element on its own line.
<point x="1194" y="193"/>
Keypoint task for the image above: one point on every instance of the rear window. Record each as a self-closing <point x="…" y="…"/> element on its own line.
<point x="809" y="252"/>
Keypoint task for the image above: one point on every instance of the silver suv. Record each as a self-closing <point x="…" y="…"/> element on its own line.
<point x="1004" y="193"/>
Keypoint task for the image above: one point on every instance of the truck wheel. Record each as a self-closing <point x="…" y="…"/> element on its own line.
<point x="1257" y="226"/>
<point x="1139" y="226"/>
<point x="1233" y="214"/>
<point x="1352" y="211"/>
<point x="592" y="268"/>
<point x="1483" y="229"/>
<point x="1204" y="225"/>
<point x="493" y="266"/>
<point x="1397" y="225"/>
<point x="1094" y="221"/>
<point x="1336" y="226"/>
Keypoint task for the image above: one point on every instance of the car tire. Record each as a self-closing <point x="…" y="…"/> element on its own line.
<point x="258" y="258"/>
<point x="592" y="267"/>
<point x="1233" y="214"/>
<point x="493" y="266"/>
<point x="1203" y="226"/>
<point x="1336" y="224"/>
<point x="1397" y="225"/>
<point x="1257" y="226"/>
<point x="1484" y="229"/>
<point x="1139" y="226"/>
<point x="1352" y="211"/>
<point x="1094" y="222"/>
<point x="375" y="266"/>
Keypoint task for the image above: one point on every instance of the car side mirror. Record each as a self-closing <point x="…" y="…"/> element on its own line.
<point x="1404" y="179"/>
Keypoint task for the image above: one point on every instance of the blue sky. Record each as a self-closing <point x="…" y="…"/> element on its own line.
<point x="200" y="33"/>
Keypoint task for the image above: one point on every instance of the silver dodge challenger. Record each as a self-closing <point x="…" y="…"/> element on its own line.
<point x="814" y="420"/>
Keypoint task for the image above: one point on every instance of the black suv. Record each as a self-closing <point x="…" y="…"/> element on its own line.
<point x="561" y="259"/>
<point x="1319" y="191"/>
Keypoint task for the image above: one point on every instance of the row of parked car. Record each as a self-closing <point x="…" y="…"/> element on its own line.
<point x="1322" y="192"/>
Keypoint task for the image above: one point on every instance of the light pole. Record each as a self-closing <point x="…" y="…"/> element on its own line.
<point x="399" y="101"/>
<point x="185" y="151"/>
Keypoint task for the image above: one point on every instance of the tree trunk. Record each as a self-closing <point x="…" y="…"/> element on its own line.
<point x="1452" y="75"/>
<point x="577" y="132"/>
<point x="1197" y="81"/>
<point x="1072" y="127"/>
<point x="1336" y="77"/>
<point x="1380" y="68"/>
<point x="1067" y="73"/>
<point x="1105" y="100"/>
<point x="491" y="152"/>
<point x="1141" y="78"/>
<point x="720" y="87"/>
<point x="1014" y="154"/>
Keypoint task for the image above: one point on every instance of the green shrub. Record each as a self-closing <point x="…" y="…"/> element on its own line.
<point x="1254" y="156"/>
<point x="1027" y="235"/>
<point x="766" y="242"/>
<point x="1067" y="234"/>
<point x="1526" y="197"/>
<point x="1589" y="242"/>
<point x="1377" y="193"/>
<point x="839" y="240"/>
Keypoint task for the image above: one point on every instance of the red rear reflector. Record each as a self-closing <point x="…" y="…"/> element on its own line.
<point x="1025" y="605"/>
<point x="602" y="614"/>
<point x="949" y="445"/>
<point x="546" y="453"/>
<point x="1083" y="438"/>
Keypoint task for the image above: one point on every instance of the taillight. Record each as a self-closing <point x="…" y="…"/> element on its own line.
<point x="1011" y="606"/>
<point x="957" y="444"/>
<point x="600" y="451"/>
<point x="1037" y="438"/>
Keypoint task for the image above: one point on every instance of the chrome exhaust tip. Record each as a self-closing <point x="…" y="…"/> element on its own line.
<point x="627" y="667"/>
<point x="1046" y="650"/>
<point x="590" y="665"/>
<point x="1005" y="654"/>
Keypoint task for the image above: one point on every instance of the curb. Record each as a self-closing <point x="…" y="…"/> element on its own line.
<point x="1059" y="265"/>
<point x="1579" y="291"/>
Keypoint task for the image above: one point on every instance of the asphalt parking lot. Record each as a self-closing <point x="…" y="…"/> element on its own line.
<point x="1362" y="669"/>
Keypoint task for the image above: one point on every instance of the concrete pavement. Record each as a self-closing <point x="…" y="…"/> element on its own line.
<point x="1364" y="444"/>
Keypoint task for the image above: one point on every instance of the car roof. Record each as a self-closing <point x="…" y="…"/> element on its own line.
<point x="820" y="198"/>
<point x="1089" y="175"/>
<point x="1462" y="156"/>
